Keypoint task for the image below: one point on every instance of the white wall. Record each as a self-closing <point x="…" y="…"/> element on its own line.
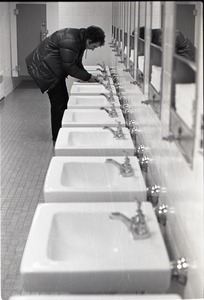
<point x="81" y="15"/>
<point x="8" y="83"/>
<point x="59" y="15"/>
<point x="84" y="14"/>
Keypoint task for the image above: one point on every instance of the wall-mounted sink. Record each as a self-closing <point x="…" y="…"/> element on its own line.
<point x="77" y="248"/>
<point x="110" y="80"/>
<point x="96" y="101"/>
<point x="92" y="141"/>
<point x="95" y="67"/>
<point x="91" y="117"/>
<point x="97" y="297"/>
<point x="92" y="179"/>
<point x="94" y="89"/>
<point x="92" y="68"/>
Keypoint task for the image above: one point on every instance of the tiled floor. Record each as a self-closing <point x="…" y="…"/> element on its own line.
<point x="26" y="150"/>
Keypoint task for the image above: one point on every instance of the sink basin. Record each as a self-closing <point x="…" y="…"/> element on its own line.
<point x="94" y="89"/>
<point x="95" y="67"/>
<point x="92" y="141"/>
<point x="79" y="249"/>
<point x="91" y="179"/>
<point x="97" y="297"/>
<point x="92" y="68"/>
<point x="90" y="117"/>
<point x="94" y="83"/>
<point x="85" y="101"/>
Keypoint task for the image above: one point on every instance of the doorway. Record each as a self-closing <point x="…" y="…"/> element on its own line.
<point x="31" y="29"/>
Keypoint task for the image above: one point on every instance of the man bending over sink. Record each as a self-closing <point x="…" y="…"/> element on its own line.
<point x="58" y="56"/>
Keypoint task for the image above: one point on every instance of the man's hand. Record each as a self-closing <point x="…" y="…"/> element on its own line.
<point x="95" y="78"/>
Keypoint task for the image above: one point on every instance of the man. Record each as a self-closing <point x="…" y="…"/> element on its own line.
<point x="57" y="57"/>
<point x="183" y="46"/>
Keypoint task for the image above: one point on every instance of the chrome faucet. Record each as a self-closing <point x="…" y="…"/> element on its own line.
<point x="105" y="81"/>
<point x="118" y="134"/>
<point x="102" y="66"/>
<point x="110" y="97"/>
<point x="126" y="169"/>
<point x="136" y="225"/>
<point x="111" y="112"/>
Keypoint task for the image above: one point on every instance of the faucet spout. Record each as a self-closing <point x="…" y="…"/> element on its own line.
<point x="118" y="134"/>
<point x="136" y="225"/>
<point x="111" y="112"/>
<point x="113" y="161"/>
<point x="122" y="218"/>
<point x="111" y="130"/>
<point x="104" y="108"/>
<point x="126" y="169"/>
<point x="109" y="97"/>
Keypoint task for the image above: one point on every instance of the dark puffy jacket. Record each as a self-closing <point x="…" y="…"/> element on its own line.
<point x="58" y="56"/>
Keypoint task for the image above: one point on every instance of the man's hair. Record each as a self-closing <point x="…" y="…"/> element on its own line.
<point x="95" y="35"/>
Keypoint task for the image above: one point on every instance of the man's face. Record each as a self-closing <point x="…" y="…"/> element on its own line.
<point x="92" y="46"/>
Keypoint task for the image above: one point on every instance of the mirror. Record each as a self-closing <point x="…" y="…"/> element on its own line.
<point x="120" y="34"/>
<point x="185" y="41"/>
<point x="155" y="71"/>
<point x="184" y="85"/>
<point x="126" y="37"/>
<point x="114" y="23"/>
<point x="132" y="41"/>
<point x="140" y="46"/>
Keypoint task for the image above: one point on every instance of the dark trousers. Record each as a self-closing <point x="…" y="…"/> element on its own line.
<point x="58" y="99"/>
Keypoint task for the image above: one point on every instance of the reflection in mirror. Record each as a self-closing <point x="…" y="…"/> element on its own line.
<point x="122" y="35"/>
<point x="185" y="30"/>
<point x="132" y="42"/>
<point x="184" y="67"/>
<point x="125" y="28"/>
<point x="141" y="46"/>
<point x="183" y="94"/>
<point x="156" y="57"/>
<point x="119" y="50"/>
<point x="114" y="25"/>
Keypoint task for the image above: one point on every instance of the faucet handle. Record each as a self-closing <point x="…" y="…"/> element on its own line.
<point x="119" y="133"/>
<point x="119" y="126"/>
<point x="127" y="159"/>
<point x="127" y="169"/>
<point x="139" y="204"/>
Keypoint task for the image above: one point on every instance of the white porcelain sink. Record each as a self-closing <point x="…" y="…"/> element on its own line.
<point x="97" y="297"/>
<point x="95" y="72"/>
<point x="92" y="179"/>
<point x="94" y="89"/>
<point x="92" y="68"/>
<point x="92" y="141"/>
<point x="94" y="83"/>
<point x="95" y="67"/>
<point x="77" y="248"/>
<point x="91" y="117"/>
<point x="94" y="101"/>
